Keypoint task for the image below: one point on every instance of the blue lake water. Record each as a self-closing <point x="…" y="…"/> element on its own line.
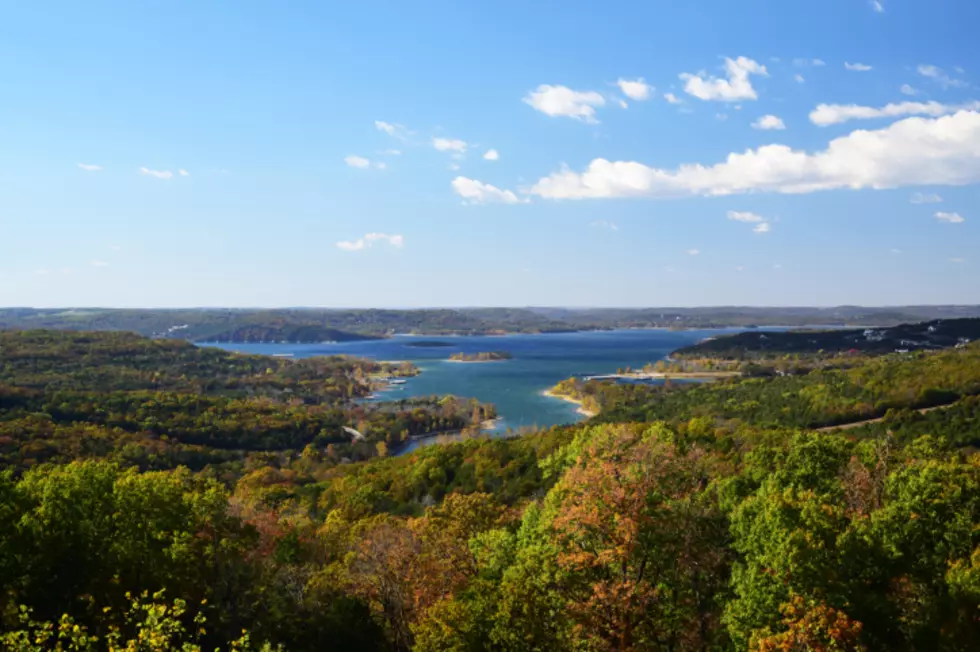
<point x="515" y="386"/>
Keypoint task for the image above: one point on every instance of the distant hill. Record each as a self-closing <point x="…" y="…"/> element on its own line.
<point x="930" y="335"/>
<point x="314" y="325"/>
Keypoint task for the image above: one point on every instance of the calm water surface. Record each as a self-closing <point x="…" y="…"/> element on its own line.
<point x="515" y="385"/>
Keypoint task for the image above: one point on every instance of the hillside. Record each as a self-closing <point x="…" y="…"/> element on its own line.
<point x="925" y="336"/>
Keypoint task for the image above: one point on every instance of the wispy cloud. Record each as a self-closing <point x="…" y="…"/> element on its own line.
<point x="561" y="101"/>
<point x="604" y="224"/>
<point x="450" y="145"/>
<point x="672" y="99"/>
<point x="799" y="78"/>
<point x="159" y="174"/>
<point x="369" y="240"/>
<point x="99" y="263"/>
<point x="734" y="87"/>
<point x="958" y="261"/>
<point x="939" y="76"/>
<point x="491" y="155"/>
<point x="920" y="198"/>
<point x="857" y="67"/>
<point x="877" y="6"/>
<point x="950" y="218"/>
<point x="745" y="216"/>
<point x="764" y="227"/>
<point x="88" y="167"/>
<point x="396" y="131"/>
<point x="693" y="252"/>
<point x="831" y="114"/>
<point x="906" y="89"/>
<point x="477" y="192"/>
<point x="115" y="247"/>
<point x="183" y="173"/>
<point x="355" y="161"/>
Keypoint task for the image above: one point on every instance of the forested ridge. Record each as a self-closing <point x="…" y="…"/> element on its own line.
<point x="686" y="517"/>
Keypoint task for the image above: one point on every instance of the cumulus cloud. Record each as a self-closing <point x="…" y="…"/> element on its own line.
<point x="491" y="155"/>
<point x="636" y="89"/>
<point x="734" y="87"/>
<point x="368" y="241"/>
<point x="477" y="192"/>
<point x="355" y="161"/>
<point x="939" y="76"/>
<point x="906" y="89"/>
<point x="763" y="227"/>
<point x="88" y="167"/>
<point x="558" y="101"/>
<point x="919" y="198"/>
<point x="740" y="216"/>
<point x="672" y="99"/>
<point x="950" y="218"/>
<point x="913" y="151"/>
<point x="831" y="114"/>
<point x="159" y="174"/>
<point x="399" y="132"/>
<point x="769" y="122"/>
<point x="857" y="67"/>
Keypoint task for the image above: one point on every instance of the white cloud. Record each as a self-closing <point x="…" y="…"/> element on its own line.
<point x="623" y="104"/>
<point x="721" y="117"/>
<point x="159" y="174"/>
<point x="636" y="89"/>
<point x="491" y="155"/>
<point x="453" y="166"/>
<point x="818" y="62"/>
<point x="857" y="67"/>
<point x="476" y="192"/>
<point x="693" y="252"/>
<point x="913" y="151"/>
<point x="769" y="122"/>
<point x="764" y="227"/>
<point x="831" y="114"/>
<point x="99" y="263"/>
<point x="919" y="198"/>
<point x="908" y="90"/>
<point x="381" y="165"/>
<point x="115" y="247"/>
<point x="603" y="224"/>
<point x="739" y="268"/>
<point x="958" y="261"/>
<point x="672" y="99"/>
<point x="669" y="270"/>
<point x="950" y="218"/>
<point x="799" y="78"/>
<point x="740" y="216"/>
<point x="897" y="252"/>
<point x="450" y="145"/>
<point x="368" y="241"/>
<point x="392" y="152"/>
<point x="940" y="77"/>
<point x="877" y="6"/>
<point x="736" y="86"/>
<point x="88" y="167"/>
<point x="563" y="101"/>
<point x="183" y="173"/>
<point x="398" y="132"/>
<point x="777" y="265"/>
<point x="355" y="161"/>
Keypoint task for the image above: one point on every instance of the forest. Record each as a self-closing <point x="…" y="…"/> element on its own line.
<point x="694" y="516"/>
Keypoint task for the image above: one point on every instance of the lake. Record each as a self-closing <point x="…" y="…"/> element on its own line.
<point x="515" y="385"/>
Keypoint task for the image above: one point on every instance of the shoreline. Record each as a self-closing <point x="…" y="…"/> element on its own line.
<point x="657" y="375"/>
<point x="568" y="399"/>
<point x="475" y="361"/>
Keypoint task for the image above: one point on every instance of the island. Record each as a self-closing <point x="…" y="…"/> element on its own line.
<point x="483" y="356"/>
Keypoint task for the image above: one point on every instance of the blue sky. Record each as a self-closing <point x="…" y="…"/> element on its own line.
<point x="243" y="153"/>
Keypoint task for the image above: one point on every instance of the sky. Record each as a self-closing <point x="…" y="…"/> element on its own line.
<point x="510" y="153"/>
